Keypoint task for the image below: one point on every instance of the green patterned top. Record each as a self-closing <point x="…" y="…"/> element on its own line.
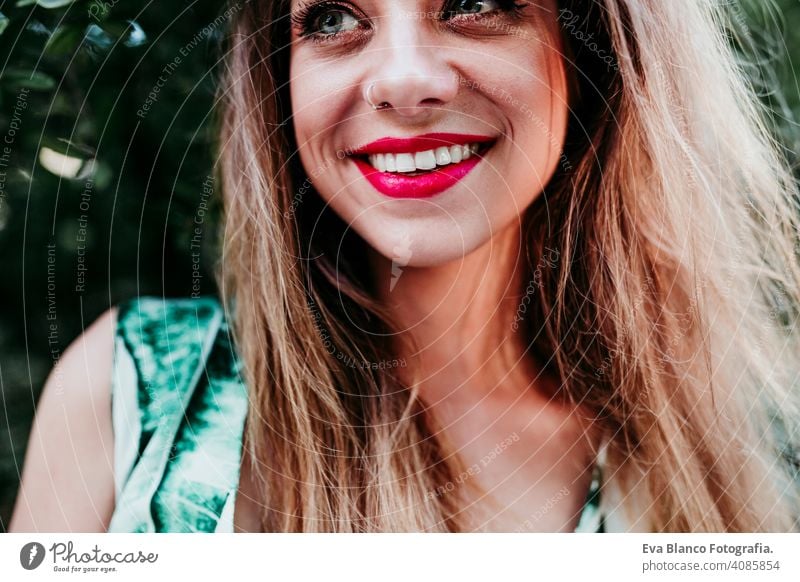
<point x="178" y="411"/>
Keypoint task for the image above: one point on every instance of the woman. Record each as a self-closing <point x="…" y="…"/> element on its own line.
<point x="488" y="266"/>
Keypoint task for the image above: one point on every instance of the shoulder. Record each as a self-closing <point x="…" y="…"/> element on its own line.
<point x="67" y="478"/>
<point x="134" y="360"/>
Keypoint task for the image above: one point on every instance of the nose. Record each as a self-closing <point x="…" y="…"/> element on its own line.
<point x="411" y="75"/>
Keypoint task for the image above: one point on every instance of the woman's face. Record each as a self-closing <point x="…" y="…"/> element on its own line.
<point x="480" y="84"/>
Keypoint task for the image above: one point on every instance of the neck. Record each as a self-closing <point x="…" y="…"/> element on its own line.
<point x="459" y="318"/>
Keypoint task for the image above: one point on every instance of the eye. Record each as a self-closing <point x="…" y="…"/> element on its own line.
<point x="335" y="21"/>
<point x="474" y="10"/>
<point x="471" y="7"/>
<point x="324" y="20"/>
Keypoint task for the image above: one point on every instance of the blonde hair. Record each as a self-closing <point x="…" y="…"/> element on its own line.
<point x="670" y="314"/>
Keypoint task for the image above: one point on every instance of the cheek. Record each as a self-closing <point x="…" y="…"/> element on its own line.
<point x="537" y="109"/>
<point x="318" y="106"/>
<point x="307" y="121"/>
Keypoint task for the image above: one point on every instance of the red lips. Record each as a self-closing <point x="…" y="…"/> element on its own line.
<point x="401" y="185"/>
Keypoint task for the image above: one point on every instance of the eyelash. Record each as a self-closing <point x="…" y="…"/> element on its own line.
<point x="303" y="19"/>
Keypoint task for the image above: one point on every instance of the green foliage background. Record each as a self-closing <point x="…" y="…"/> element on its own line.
<point x="76" y="74"/>
<point x="75" y="77"/>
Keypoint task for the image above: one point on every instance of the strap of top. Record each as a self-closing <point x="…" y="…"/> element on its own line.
<point x="178" y="408"/>
<point x="592" y="519"/>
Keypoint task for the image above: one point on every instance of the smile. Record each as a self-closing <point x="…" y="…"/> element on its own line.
<point x="427" y="160"/>
<point x="420" y="167"/>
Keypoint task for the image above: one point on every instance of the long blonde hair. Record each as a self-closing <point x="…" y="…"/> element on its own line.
<point x="670" y="314"/>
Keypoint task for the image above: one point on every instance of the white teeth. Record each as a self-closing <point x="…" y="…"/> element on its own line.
<point x="427" y="160"/>
<point x="442" y="155"/>
<point x="405" y="162"/>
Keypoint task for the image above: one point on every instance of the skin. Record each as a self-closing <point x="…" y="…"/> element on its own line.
<point x="67" y="482"/>
<point x="457" y="292"/>
<point x="460" y="287"/>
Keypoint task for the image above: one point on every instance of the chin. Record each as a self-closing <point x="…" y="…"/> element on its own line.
<point x="430" y="248"/>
